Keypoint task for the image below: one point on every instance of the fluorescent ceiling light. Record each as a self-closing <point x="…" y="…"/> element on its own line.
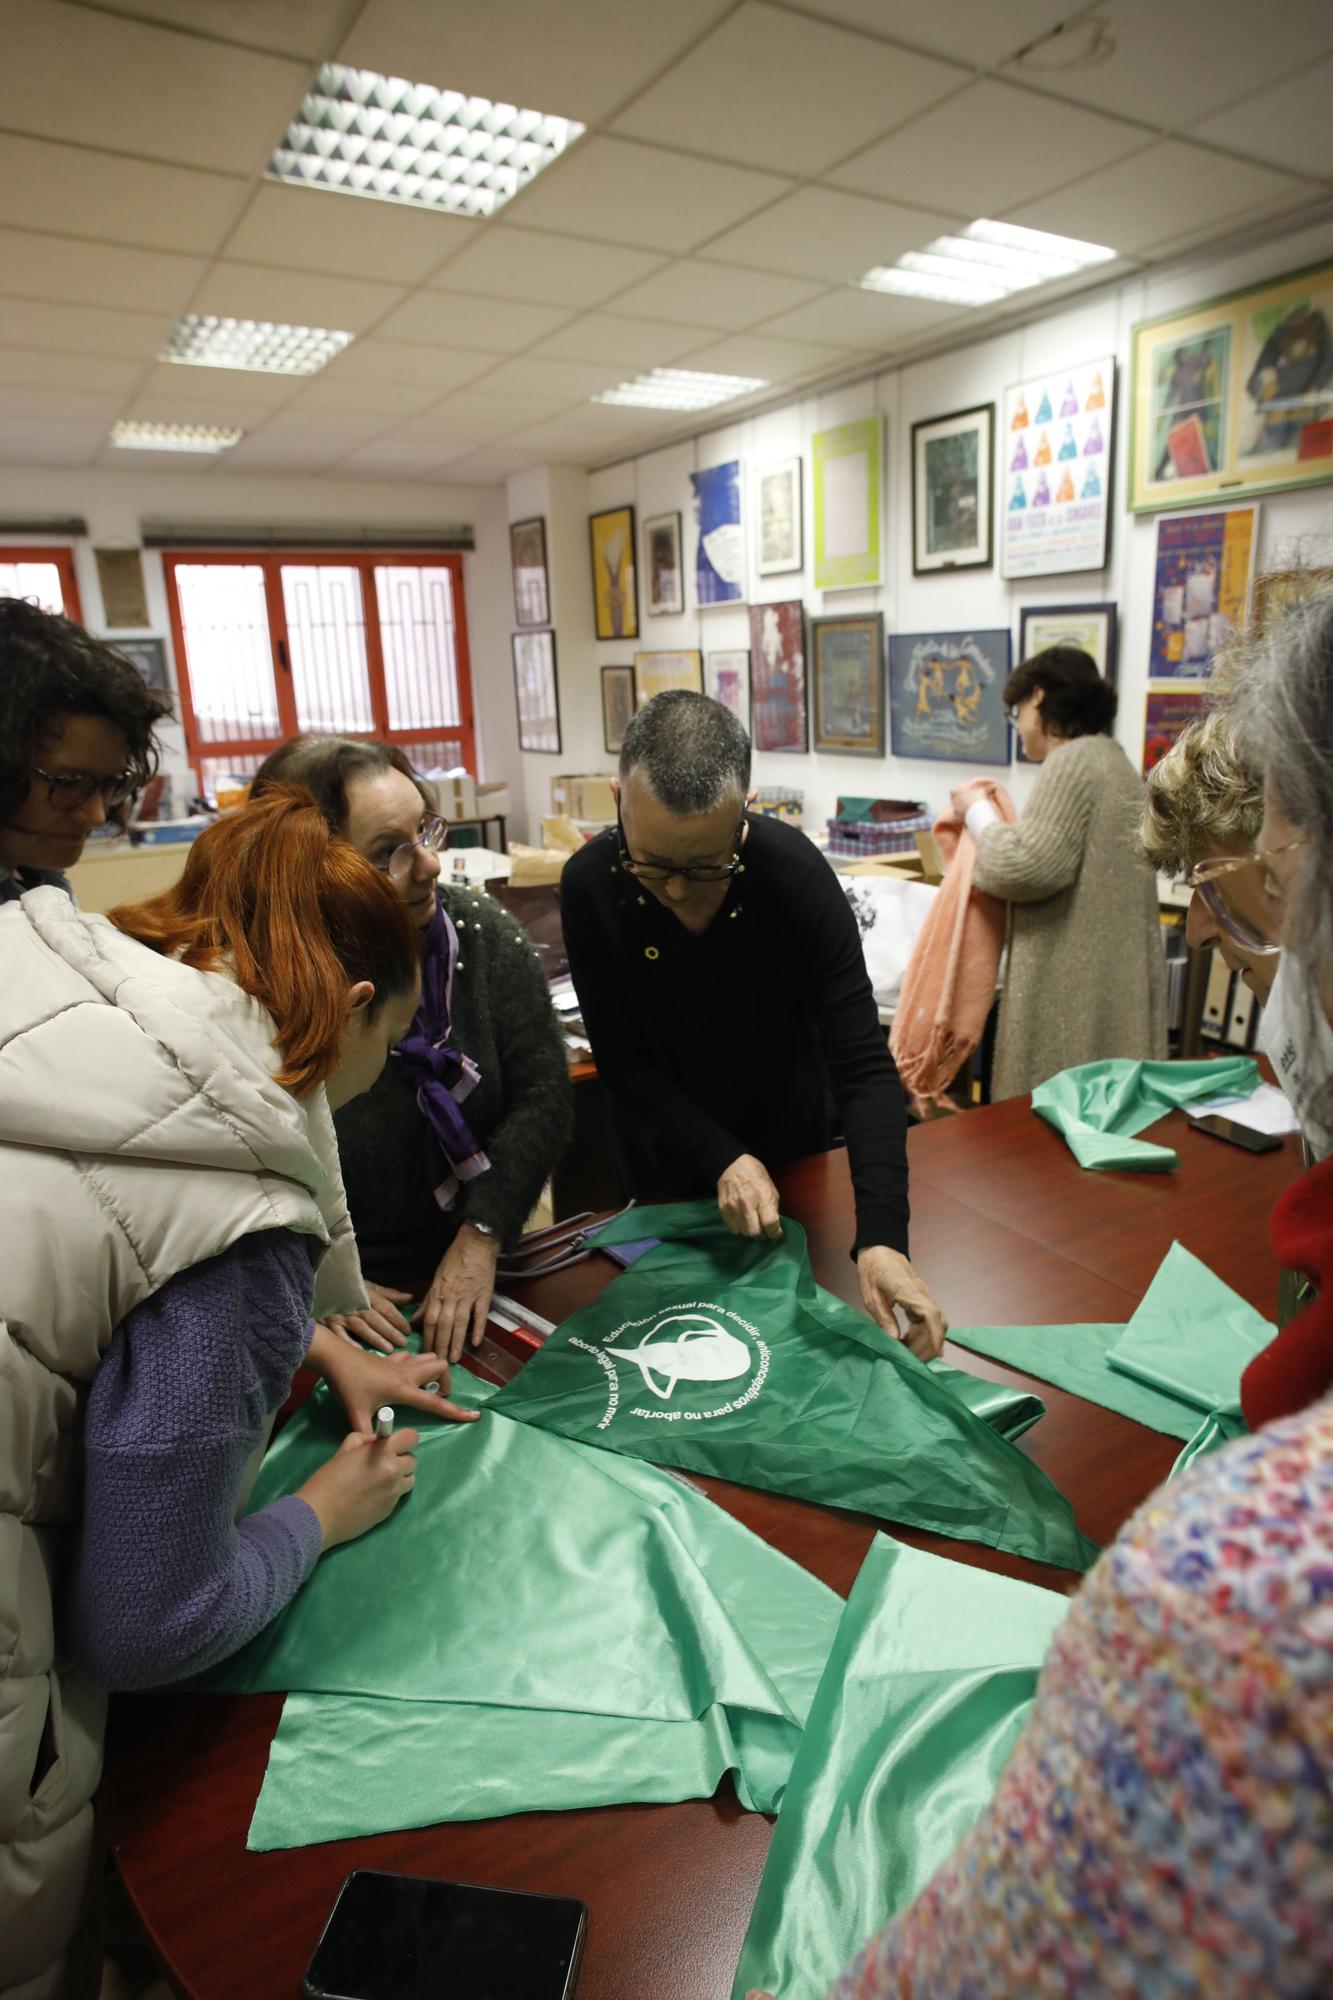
<point x="265" y="347"/>
<point x="984" y="263"/>
<point x="680" y="389"/>
<point x="131" y="436"/>
<point x="381" y="136"/>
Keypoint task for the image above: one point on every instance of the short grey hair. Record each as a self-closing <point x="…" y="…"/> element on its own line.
<point x="691" y="752"/>
<point x="1283" y="709"/>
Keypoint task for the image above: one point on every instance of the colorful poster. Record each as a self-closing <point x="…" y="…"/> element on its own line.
<point x="727" y="679"/>
<point x="946" y="696"/>
<point x="719" y="567"/>
<point x="847" y="480"/>
<point x="777" y="676"/>
<point x="1168" y="713"/>
<point x="1056" y="452"/>
<point x="1205" y="563"/>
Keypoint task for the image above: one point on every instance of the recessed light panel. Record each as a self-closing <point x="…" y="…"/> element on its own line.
<point x="984" y="263"/>
<point x="265" y="347"/>
<point x="174" y="437"/>
<point x="680" y="389"/>
<point x="381" y="136"/>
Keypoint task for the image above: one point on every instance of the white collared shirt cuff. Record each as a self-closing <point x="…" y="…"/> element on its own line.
<point x="979" y="815"/>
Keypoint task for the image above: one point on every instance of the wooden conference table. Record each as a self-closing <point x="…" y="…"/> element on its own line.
<point x="1008" y="1230"/>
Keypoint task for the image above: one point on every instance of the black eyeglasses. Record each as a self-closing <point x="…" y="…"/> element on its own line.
<point x="67" y="791"/>
<point x="655" y="871"/>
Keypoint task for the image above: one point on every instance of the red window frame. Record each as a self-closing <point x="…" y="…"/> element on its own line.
<point x="63" y="558"/>
<point x="271" y="561"/>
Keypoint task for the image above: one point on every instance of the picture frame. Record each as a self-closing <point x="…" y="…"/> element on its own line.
<point x="1056" y="470"/>
<point x="779" y="523"/>
<point x="1090" y="627"/>
<point x="953" y="484"/>
<point x="848" y="482"/>
<point x="727" y="679"/>
<point x="946" y="696"/>
<point x="1203" y="570"/>
<point x="149" y="656"/>
<point x="527" y="558"/>
<point x="656" y="673"/>
<point x="1167" y="714"/>
<point x="778" y="697"/>
<point x="617" y="707"/>
<point x="663" y="566"/>
<point x="536" y="691"/>
<point x="1277" y="590"/>
<point x="719" y="556"/>
<point x="848" y="655"/>
<point x="615" y="596"/>
<point x="1234" y="398"/>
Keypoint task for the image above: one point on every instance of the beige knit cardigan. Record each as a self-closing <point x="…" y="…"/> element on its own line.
<point x="1084" y="975"/>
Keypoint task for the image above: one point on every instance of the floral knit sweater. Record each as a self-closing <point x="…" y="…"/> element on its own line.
<point x="1165" y="1825"/>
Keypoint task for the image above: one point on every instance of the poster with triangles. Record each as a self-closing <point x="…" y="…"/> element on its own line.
<point x="1057" y="439"/>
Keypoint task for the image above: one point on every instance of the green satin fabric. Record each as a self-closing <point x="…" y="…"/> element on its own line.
<point x="1007" y="1410"/>
<point x="824" y="1407"/>
<point x="1097" y="1107"/>
<point x="1219" y="1427"/>
<point x="930" y="1678"/>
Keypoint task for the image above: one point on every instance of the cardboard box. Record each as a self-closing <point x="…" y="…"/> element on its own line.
<point x="455" y="795"/>
<point x="584" y="797"/>
<point x="492" y="800"/>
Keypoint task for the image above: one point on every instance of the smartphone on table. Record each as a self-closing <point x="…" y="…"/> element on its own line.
<point x="1239" y="1135"/>
<point x="411" y="1937"/>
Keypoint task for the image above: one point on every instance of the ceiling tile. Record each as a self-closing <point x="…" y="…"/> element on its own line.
<point x="71" y="406"/>
<point x="579" y="61"/>
<point x="506" y="263"/>
<point x="774" y="89"/>
<point x="176" y="96"/>
<point x="188" y="409"/>
<point x="340" y="397"/>
<point x="38" y="368"/>
<point x="1173" y="65"/>
<point x="91" y="330"/>
<point x="25" y="441"/>
<point x="1287" y="124"/>
<point x="410" y="366"/>
<point x="855" y="319"/>
<point x="475" y="417"/>
<point x="283" y="27"/>
<point x="443" y="318"/>
<point x="529" y="375"/>
<point x="395" y="458"/>
<point x="182" y="384"/>
<point x="490" y="467"/>
<point x="987" y="149"/>
<point x="343" y="428"/>
<point x="580" y="435"/>
<point x="820" y="233"/>
<point x="294" y="298"/>
<point x="313" y="229"/>
<point x="100" y="196"/>
<point x="1156" y="196"/>
<point x="772" y="359"/>
<point x="979" y="35"/>
<point x="628" y="344"/>
<point x="52" y="267"/>
<point x="262" y="453"/>
<point x="656" y="199"/>
<point x="710" y="295"/>
<point x="118" y="458"/>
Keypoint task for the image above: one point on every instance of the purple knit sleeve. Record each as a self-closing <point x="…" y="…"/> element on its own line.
<point x="166" y="1581"/>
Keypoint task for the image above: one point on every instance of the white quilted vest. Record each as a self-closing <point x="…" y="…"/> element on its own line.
<point x="141" y="1132"/>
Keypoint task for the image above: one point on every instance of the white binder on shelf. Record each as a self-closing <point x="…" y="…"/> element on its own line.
<point x="1216" y="1000"/>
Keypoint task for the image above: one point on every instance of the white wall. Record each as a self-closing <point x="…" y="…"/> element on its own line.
<point x="659" y="481"/>
<point x="114" y="504"/>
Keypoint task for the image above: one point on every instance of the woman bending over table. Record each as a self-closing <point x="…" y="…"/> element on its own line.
<point x="445" y="1158"/>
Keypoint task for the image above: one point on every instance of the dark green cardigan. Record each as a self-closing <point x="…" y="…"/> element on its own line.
<point x="521" y="1111"/>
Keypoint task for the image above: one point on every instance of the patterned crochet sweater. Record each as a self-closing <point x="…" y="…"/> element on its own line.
<point x="1085" y="977"/>
<point x="1164" y="1829"/>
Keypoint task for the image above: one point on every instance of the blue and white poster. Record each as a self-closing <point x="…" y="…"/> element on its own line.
<point x="719" y="566"/>
<point x="946" y="696"/>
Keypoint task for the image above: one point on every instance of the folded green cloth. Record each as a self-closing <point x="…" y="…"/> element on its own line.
<point x="720" y="1354"/>
<point x="1098" y="1106"/>
<point x="931" y="1675"/>
<point x="1189" y="1341"/>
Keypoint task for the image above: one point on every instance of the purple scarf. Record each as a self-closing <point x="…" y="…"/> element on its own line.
<point x="443" y="1076"/>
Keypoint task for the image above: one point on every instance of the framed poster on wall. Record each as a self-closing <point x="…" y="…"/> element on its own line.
<point x="848" y="656"/>
<point x="848" y="480"/>
<point x="1057" y="445"/>
<point x="1090" y="627"/>
<point x="654" y="673"/>
<point x="727" y="679"/>
<point x="946" y="696"/>
<point x="778" y="526"/>
<point x="952" y="505"/>
<point x="535" y="691"/>
<point x="719" y="561"/>
<point x="662" y="565"/>
<point x="617" y="707"/>
<point x="1201" y="589"/>
<point x="527" y="555"/>
<point x="1235" y="396"/>
<point x="614" y="593"/>
<point x="777" y="676"/>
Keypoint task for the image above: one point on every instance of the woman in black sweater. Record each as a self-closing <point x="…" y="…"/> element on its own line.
<point x="446" y="1157"/>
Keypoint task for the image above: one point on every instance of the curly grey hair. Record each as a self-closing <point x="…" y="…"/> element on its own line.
<point x="691" y="751"/>
<point x="1200" y="795"/>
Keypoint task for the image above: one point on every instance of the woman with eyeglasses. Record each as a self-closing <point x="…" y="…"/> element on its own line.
<point x="1084" y="974"/>
<point x="76" y="743"/>
<point x="445" y="1159"/>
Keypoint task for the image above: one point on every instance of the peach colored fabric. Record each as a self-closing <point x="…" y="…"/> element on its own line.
<point x="949" y="984"/>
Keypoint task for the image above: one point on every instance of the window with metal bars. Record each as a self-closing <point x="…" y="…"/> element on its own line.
<point x="271" y="646"/>
<point x="46" y="575"/>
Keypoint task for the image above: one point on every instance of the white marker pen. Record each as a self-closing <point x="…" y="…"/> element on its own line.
<point x="384" y="1420"/>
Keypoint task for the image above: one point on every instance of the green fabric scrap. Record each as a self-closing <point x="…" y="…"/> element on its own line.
<point x="1097" y="1107"/>
<point x="931" y="1675"/>
<point x="1192" y="1336"/>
